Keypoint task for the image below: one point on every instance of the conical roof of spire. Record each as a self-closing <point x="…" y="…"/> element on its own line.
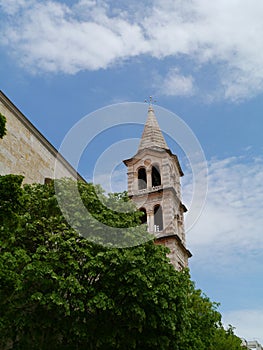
<point x="152" y="136"/>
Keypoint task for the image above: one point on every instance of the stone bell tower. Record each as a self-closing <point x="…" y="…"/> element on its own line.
<point x="154" y="185"/>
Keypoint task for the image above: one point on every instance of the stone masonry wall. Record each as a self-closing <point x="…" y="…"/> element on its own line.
<point x="177" y="255"/>
<point x="23" y="150"/>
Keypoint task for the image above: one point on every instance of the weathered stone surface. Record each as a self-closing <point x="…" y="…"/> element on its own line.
<point x="24" y="150"/>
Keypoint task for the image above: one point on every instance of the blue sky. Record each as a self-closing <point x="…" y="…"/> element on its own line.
<point x="202" y="60"/>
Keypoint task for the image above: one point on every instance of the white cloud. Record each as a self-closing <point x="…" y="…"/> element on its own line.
<point x="51" y="36"/>
<point x="231" y="223"/>
<point x="248" y="323"/>
<point x="176" y="84"/>
<point x="11" y="7"/>
<point x="223" y="32"/>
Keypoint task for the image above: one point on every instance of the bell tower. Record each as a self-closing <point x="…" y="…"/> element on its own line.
<point x="154" y="185"/>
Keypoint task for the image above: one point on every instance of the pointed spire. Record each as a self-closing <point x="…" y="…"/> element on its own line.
<point x="152" y="136"/>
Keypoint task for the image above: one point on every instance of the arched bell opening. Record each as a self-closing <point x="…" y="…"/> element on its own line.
<point x="156" y="176"/>
<point x="142" y="178"/>
<point x="158" y="218"/>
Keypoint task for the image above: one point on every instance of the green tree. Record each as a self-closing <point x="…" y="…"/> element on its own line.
<point x="204" y="319"/>
<point x="2" y="126"/>
<point x="226" y="339"/>
<point x="206" y="331"/>
<point x="61" y="291"/>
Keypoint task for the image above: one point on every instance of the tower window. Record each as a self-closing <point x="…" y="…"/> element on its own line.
<point x="158" y="218"/>
<point x="142" y="179"/>
<point x="144" y="216"/>
<point x="156" y="177"/>
<point x="47" y="181"/>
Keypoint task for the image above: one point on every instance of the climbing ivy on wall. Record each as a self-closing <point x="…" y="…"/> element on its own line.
<point x="2" y="126"/>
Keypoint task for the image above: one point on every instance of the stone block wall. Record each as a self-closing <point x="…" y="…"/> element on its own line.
<point x="25" y="151"/>
<point x="178" y="254"/>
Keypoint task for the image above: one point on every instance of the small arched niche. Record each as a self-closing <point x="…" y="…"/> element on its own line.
<point x="144" y="216"/>
<point x="156" y="176"/>
<point x="142" y="178"/>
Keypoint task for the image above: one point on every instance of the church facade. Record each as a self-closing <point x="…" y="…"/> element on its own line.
<point x="154" y="185"/>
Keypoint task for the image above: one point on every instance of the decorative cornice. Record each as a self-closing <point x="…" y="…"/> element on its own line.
<point x="159" y="189"/>
<point x="178" y="239"/>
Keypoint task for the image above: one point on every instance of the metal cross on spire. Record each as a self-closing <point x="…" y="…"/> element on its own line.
<point x="150" y="101"/>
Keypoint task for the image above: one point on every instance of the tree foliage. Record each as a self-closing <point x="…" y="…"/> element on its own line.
<point x="226" y="339"/>
<point x="59" y="290"/>
<point x="2" y="126"/>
